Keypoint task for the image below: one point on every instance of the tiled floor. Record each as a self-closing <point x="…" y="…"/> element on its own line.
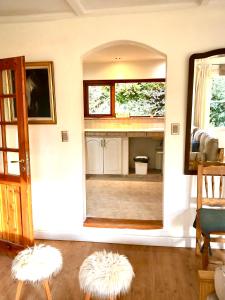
<point x="124" y="197"/>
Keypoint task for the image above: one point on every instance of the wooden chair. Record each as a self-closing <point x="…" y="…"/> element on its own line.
<point x="210" y="222"/>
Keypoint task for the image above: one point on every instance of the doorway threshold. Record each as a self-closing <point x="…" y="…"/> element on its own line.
<point x="123" y="223"/>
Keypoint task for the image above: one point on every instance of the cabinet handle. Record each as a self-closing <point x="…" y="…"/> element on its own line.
<point x="103" y="143"/>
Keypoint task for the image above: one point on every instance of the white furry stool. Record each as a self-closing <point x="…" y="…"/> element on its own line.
<point x="105" y="275"/>
<point x="36" y="265"/>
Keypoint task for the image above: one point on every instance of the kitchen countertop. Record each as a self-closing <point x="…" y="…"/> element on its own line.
<point x="124" y="129"/>
<point x="156" y="133"/>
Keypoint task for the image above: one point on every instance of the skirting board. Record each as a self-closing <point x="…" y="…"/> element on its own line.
<point x="187" y="242"/>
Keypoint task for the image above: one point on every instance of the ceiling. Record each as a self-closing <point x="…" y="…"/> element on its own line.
<point x="123" y="51"/>
<point x="22" y="10"/>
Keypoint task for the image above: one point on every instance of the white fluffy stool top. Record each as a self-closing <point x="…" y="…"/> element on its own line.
<point x="219" y="279"/>
<point x="105" y="274"/>
<point x="36" y="263"/>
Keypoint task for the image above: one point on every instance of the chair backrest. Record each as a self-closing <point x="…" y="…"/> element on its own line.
<point x="211" y="185"/>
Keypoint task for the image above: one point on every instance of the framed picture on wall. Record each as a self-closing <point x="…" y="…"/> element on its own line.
<point x="40" y="93"/>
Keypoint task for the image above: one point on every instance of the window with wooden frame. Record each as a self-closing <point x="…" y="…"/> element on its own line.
<point x="136" y="98"/>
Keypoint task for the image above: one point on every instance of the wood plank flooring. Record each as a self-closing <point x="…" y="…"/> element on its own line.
<point x="161" y="273"/>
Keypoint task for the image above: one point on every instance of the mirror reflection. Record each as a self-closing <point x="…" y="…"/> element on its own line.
<point x="205" y="140"/>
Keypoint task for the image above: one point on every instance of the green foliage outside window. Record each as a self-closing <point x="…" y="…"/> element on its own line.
<point x="135" y="99"/>
<point x="99" y="99"/>
<point x="217" y="103"/>
<point x="141" y="98"/>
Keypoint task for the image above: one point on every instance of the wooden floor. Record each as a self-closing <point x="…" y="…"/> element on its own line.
<point x="124" y="223"/>
<point x="161" y="273"/>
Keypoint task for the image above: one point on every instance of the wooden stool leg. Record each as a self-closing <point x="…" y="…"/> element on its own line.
<point x="47" y="289"/>
<point x="87" y="296"/>
<point x="18" y="290"/>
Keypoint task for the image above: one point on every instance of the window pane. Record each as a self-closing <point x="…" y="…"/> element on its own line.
<point x="0" y="136"/>
<point x="13" y="163"/>
<point x="8" y="81"/>
<point x="140" y="98"/>
<point x="217" y="102"/>
<point x="9" y="109"/>
<point x="99" y="100"/>
<point x="11" y="136"/>
<point x="1" y="163"/>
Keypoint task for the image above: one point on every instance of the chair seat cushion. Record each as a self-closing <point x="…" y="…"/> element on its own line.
<point x="195" y="146"/>
<point x="212" y="220"/>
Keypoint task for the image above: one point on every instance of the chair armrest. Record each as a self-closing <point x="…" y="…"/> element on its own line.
<point x="206" y="283"/>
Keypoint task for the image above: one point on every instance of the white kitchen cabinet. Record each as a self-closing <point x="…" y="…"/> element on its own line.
<point x="112" y="156"/>
<point x="103" y="155"/>
<point x="94" y="155"/>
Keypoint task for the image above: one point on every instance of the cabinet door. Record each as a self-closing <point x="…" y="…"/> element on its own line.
<point x="112" y="156"/>
<point x="94" y="155"/>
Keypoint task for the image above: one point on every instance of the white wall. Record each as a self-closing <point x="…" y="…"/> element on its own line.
<point x="58" y="168"/>
<point x="125" y="70"/>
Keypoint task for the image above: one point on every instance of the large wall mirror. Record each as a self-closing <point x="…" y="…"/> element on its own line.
<point x="205" y="125"/>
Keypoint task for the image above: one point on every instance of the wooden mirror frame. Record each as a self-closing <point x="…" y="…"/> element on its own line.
<point x="187" y="171"/>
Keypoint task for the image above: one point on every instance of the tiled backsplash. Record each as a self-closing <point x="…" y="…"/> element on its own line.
<point x="131" y="123"/>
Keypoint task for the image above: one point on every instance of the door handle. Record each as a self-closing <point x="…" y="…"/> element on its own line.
<point x="21" y="161"/>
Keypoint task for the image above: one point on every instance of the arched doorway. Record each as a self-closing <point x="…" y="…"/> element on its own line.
<point x="124" y="109"/>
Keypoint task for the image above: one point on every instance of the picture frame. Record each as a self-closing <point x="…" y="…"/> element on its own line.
<point x="40" y="92"/>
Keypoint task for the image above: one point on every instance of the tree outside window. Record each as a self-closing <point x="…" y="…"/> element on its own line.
<point x="141" y="99"/>
<point x="217" y="102"/>
<point x="130" y="98"/>
<point x="99" y="100"/>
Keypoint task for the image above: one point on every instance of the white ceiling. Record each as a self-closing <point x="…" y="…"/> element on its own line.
<point x="22" y="10"/>
<point x="124" y="51"/>
<point x="30" y="7"/>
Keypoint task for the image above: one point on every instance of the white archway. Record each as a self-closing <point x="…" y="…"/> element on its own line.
<point x="118" y="43"/>
<point x="102" y="56"/>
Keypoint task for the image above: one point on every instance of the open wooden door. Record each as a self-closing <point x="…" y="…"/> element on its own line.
<point x="16" y="229"/>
